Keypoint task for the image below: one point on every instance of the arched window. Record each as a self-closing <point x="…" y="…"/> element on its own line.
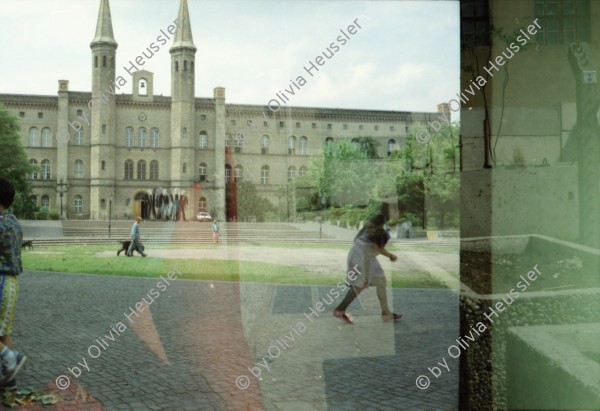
<point x="78" y="169"/>
<point x="46" y="170"/>
<point x="34" y="174"/>
<point x="238" y="141"/>
<point x="391" y="145"/>
<point x="129" y="137"/>
<point x="143" y="87"/>
<point x="239" y="173"/>
<point x="128" y="169"/>
<point x="34" y="139"/>
<point x="202" y="204"/>
<point x="46" y="137"/>
<point x="184" y="65"/>
<point x="328" y="142"/>
<point x="141" y="137"/>
<point x="78" y="204"/>
<point x="79" y="136"/>
<point x="141" y="170"/>
<point x="264" y="175"/>
<point x="155" y="138"/>
<point x="176" y="66"/>
<point x="302" y="172"/>
<point x="227" y="174"/>
<point x="202" y="171"/>
<point x="291" y="173"/>
<point x="227" y="140"/>
<point x="184" y="168"/>
<point x="45" y="204"/>
<point x="203" y="140"/>
<point x="154" y="170"/>
<point x="264" y="144"/>
<point x="303" y="146"/>
<point x="292" y="145"/>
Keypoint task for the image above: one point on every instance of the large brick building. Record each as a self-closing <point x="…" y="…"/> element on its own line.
<point x="106" y="146"/>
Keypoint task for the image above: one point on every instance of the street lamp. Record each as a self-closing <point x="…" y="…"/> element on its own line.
<point x="110" y="197"/>
<point x="61" y="188"/>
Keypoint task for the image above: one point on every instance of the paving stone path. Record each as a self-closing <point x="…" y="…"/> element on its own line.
<point x="197" y="339"/>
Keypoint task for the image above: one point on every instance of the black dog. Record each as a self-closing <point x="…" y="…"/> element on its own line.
<point x="125" y="246"/>
<point x="28" y="243"/>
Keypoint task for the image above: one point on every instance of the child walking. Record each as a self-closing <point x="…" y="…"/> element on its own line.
<point x="362" y="258"/>
<point x="215" y="230"/>
<point x="11" y="266"/>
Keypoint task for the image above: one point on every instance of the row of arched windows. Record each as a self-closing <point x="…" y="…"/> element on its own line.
<point x="45" y="203"/>
<point x="44" y="139"/>
<point x="35" y="139"/>
<point x="294" y="144"/>
<point x="142" y="139"/>
<point x="185" y="65"/>
<point x="391" y="144"/>
<point x="239" y="173"/>
<point x="141" y="170"/>
<point x="45" y="171"/>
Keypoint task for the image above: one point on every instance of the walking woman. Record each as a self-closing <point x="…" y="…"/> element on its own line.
<point x="362" y="258"/>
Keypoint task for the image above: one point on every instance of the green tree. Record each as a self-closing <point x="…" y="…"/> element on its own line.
<point x="442" y="194"/>
<point x="250" y="203"/>
<point x="13" y="161"/>
<point x="430" y="182"/>
<point x="343" y="174"/>
<point x="367" y="145"/>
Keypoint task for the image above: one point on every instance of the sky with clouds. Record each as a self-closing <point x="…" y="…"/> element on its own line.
<point x="405" y="57"/>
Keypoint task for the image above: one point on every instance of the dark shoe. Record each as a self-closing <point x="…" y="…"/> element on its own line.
<point x="391" y="317"/>
<point x="144" y="255"/>
<point x="343" y="315"/>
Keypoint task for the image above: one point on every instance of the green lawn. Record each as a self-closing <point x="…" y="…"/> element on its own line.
<point x="83" y="259"/>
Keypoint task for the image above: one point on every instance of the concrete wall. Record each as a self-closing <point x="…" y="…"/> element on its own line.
<point x="529" y="200"/>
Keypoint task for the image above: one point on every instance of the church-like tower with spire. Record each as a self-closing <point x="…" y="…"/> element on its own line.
<point x="103" y="111"/>
<point x="122" y="148"/>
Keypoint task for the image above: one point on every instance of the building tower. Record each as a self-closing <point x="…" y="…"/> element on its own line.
<point x="103" y="113"/>
<point x="183" y="103"/>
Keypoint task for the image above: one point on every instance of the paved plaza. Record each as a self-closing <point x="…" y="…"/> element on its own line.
<point x="205" y="345"/>
<point x="186" y="350"/>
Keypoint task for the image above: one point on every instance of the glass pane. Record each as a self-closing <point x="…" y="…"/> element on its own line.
<point x="552" y="7"/>
<point x="568" y="7"/>
<point x="539" y="7"/>
<point x="569" y="29"/>
<point x="481" y="8"/>
<point x="467" y="8"/>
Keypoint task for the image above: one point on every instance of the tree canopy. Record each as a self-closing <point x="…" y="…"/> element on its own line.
<point x="14" y="165"/>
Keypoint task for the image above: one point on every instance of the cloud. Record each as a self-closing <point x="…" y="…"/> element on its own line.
<point x="405" y="57"/>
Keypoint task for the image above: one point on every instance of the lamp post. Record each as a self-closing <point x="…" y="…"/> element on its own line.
<point x="110" y="197"/>
<point x="61" y="189"/>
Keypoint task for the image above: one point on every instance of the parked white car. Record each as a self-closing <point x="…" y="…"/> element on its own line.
<point x="203" y="216"/>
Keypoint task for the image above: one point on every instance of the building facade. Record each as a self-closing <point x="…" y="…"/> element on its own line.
<point x="131" y="153"/>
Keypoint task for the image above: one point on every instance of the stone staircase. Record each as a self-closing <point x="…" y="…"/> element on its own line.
<point x="193" y="232"/>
